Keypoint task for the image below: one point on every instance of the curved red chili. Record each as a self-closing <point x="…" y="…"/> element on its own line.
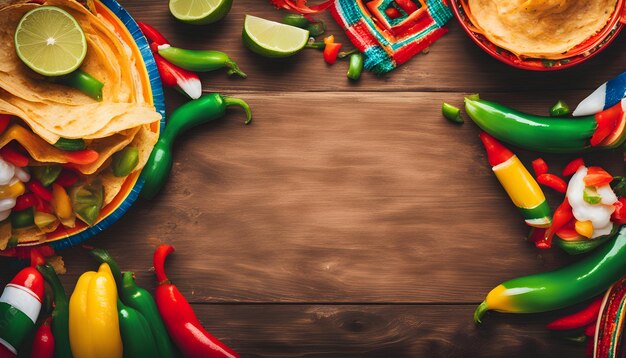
<point x="152" y="34"/>
<point x="580" y="319"/>
<point x="181" y="322"/>
<point x="572" y="167"/>
<point x="43" y="345"/>
<point x="540" y="166"/>
<point x="552" y="181"/>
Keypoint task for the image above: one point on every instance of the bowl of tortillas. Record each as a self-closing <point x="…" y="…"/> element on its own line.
<point x="541" y="35"/>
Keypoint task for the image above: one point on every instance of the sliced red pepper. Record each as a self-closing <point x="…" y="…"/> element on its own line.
<point x="407" y="5"/>
<point x="43" y="206"/>
<point x="38" y="189"/>
<point x="552" y="181"/>
<point x="82" y="157"/>
<point x="540" y="166"/>
<point x="393" y="13"/>
<point x="25" y="201"/>
<point x="568" y="231"/>
<point x="572" y="167"/>
<point x="331" y="51"/>
<point x="300" y="7"/>
<point x="597" y="176"/>
<point x="619" y="215"/>
<point x="608" y="121"/>
<point x="580" y="319"/>
<point x="67" y="178"/>
<point x="13" y="156"/>
<point x="152" y="34"/>
<point x="5" y="119"/>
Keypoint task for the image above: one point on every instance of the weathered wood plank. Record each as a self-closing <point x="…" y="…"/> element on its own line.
<point x="336" y="197"/>
<point x="454" y="63"/>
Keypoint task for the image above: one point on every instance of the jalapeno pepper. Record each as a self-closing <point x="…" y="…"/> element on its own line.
<point x="60" y="313"/>
<point x="137" y="338"/>
<point x="451" y="113"/>
<point x="564" y="287"/>
<point x="83" y="82"/>
<point x="183" y="325"/>
<point x="356" y="66"/>
<point x="200" y="60"/>
<point x="193" y="113"/>
<point x="546" y="134"/>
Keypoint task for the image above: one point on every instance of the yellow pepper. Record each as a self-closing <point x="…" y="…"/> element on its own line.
<point x="584" y="228"/>
<point x="12" y="190"/>
<point x="62" y="206"/>
<point x="94" y="323"/>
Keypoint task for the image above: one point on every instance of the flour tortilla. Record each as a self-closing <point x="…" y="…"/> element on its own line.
<point x="539" y="28"/>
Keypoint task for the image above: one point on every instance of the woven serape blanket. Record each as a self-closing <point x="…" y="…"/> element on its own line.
<point x="390" y="32"/>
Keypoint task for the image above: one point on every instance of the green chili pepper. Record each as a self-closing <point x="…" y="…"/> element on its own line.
<point x="317" y="45"/>
<point x="136" y="334"/>
<point x="547" y="134"/>
<point x="564" y="287"/>
<point x="87" y="200"/>
<point x="200" y="60"/>
<point x="296" y="20"/>
<point x="125" y="161"/>
<point x="356" y="66"/>
<point x="141" y="300"/>
<point x="451" y="113"/>
<point x="559" y="109"/>
<point x="83" y="82"/>
<point x="47" y="174"/>
<point x="70" y="144"/>
<point x="22" y="219"/>
<point x="316" y="28"/>
<point x="577" y="247"/>
<point x="60" y="314"/>
<point x="199" y="111"/>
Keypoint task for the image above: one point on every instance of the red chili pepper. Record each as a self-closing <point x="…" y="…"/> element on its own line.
<point x="82" y="157"/>
<point x="562" y="215"/>
<point x="572" y="167"/>
<point x="67" y="178"/>
<point x="5" y="119"/>
<point x="181" y="322"/>
<point x="607" y="123"/>
<point x="331" y="51"/>
<point x="392" y="12"/>
<point x="580" y="319"/>
<point x="43" y="345"/>
<point x="300" y="6"/>
<point x="619" y="215"/>
<point x="173" y="76"/>
<point x="540" y="166"/>
<point x="13" y="156"/>
<point x="552" y="181"/>
<point x="25" y="201"/>
<point x="597" y="176"/>
<point x="38" y="189"/>
<point x="152" y="34"/>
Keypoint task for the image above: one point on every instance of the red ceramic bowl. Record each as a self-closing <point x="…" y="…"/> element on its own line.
<point x="578" y="54"/>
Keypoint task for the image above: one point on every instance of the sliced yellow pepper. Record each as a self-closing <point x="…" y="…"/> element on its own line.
<point x="584" y="228"/>
<point x="62" y="206"/>
<point x="94" y="322"/>
<point x="12" y="190"/>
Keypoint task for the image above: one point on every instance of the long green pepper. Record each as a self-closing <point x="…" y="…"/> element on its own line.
<point x="60" y="313"/>
<point x="200" y="60"/>
<point x="199" y="111"/>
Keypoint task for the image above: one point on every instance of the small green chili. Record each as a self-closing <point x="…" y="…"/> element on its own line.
<point x="356" y="66"/>
<point x="451" y="113"/>
<point x="559" y="109"/>
<point x="125" y="161"/>
<point x="316" y="28"/>
<point x="200" y="60"/>
<point x="47" y="174"/>
<point x="70" y="145"/>
<point x="317" y="45"/>
<point x="83" y="82"/>
<point x="296" y="20"/>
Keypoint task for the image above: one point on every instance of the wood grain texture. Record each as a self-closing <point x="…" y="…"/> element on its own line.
<point x="349" y="219"/>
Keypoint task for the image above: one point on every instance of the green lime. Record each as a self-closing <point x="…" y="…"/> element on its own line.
<point x="200" y="12"/>
<point x="50" y="41"/>
<point x="273" y="39"/>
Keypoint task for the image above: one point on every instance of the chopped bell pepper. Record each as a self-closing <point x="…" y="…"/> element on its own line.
<point x="540" y="166"/>
<point x="13" y="190"/>
<point x="22" y="219"/>
<point x="552" y="181"/>
<point x="62" y="205"/>
<point x="43" y="220"/>
<point x="597" y="176"/>
<point x="584" y="228"/>
<point x="87" y="200"/>
<point x="572" y="167"/>
<point x="47" y="174"/>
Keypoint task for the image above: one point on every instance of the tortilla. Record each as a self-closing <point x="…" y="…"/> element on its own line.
<point x="539" y="28"/>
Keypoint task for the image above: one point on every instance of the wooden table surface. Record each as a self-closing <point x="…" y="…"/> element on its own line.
<point x="349" y="219"/>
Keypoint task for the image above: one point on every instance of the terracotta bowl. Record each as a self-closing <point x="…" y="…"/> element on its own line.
<point x="578" y="54"/>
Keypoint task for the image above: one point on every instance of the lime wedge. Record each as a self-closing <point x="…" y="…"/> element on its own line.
<point x="200" y="12"/>
<point x="273" y="39"/>
<point x="50" y="41"/>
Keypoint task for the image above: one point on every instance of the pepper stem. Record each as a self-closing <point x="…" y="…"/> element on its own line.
<point x="233" y="69"/>
<point x="232" y="101"/>
<point x="344" y="54"/>
<point x="160" y="254"/>
<point x="480" y="312"/>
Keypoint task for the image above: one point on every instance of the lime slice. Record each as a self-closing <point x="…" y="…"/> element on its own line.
<point x="200" y="12"/>
<point x="50" y="41"/>
<point x="273" y="39"/>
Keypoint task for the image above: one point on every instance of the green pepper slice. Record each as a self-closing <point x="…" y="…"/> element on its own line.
<point x="356" y="66"/>
<point x="316" y="28"/>
<point x="87" y="200"/>
<point x="452" y="113"/>
<point x="125" y="161"/>
<point x="559" y="109"/>
<point x="70" y="145"/>
<point x="47" y="174"/>
<point x="85" y="83"/>
<point x="23" y="219"/>
<point x="296" y="20"/>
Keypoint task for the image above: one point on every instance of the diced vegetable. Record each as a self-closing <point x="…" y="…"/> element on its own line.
<point x="87" y="200"/>
<point x="591" y="196"/>
<point x="573" y="166"/>
<point x="22" y="219"/>
<point x="559" y="109"/>
<point x="539" y="166"/>
<point x="44" y="219"/>
<point x="47" y="174"/>
<point x="597" y="176"/>
<point x="452" y="113"/>
<point x="125" y="161"/>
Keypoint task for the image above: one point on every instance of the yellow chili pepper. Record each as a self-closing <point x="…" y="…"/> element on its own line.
<point x="584" y="228"/>
<point x="62" y="205"/>
<point x="12" y="190"/>
<point x="94" y="322"/>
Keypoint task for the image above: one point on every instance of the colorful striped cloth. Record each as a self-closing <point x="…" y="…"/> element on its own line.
<point x="390" y="32"/>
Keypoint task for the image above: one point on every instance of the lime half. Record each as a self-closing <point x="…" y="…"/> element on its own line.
<point x="200" y="12"/>
<point x="273" y="39"/>
<point x="50" y="41"/>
